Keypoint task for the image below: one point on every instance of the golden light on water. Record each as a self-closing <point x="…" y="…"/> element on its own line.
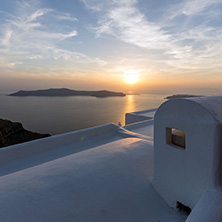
<point x="130" y="104"/>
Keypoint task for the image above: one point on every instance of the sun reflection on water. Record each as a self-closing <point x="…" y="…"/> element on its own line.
<point x="130" y="104"/>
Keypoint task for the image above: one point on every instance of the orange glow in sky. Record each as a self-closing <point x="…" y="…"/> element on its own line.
<point x="126" y="46"/>
<point x="131" y="79"/>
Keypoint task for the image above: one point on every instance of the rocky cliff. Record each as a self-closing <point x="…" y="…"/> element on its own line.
<point x="12" y="133"/>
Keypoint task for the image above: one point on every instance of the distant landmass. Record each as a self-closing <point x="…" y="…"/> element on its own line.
<point x="66" y="92"/>
<point x="12" y="133"/>
<point x="179" y="96"/>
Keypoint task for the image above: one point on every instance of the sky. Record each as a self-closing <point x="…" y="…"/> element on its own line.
<point x="98" y="44"/>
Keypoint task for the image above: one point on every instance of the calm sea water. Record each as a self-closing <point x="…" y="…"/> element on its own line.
<point x="56" y="115"/>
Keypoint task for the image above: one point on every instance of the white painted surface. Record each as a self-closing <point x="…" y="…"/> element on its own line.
<point x="143" y="127"/>
<point x="105" y="178"/>
<point x="139" y="116"/>
<point x="208" y="208"/>
<point x="184" y="175"/>
<point x="59" y="141"/>
<point x="133" y="118"/>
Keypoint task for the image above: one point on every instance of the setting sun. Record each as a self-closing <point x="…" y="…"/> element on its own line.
<point x="131" y="78"/>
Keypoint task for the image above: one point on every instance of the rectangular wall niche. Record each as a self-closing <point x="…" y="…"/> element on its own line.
<point x="176" y="137"/>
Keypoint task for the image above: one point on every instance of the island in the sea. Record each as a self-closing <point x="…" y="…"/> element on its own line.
<point x="66" y="92"/>
<point x="180" y="96"/>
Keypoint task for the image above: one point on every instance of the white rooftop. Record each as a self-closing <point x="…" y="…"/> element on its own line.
<point x="98" y="174"/>
<point x="102" y="177"/>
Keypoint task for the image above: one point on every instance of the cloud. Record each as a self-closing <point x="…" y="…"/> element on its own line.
<point x="192" y="7"/>
<point x="124" y="20"/>
<point x="7" y="37"/>
<point x="69" y="35"/>
<point x="34" y="33"/>
<point x="186" y="35"/>
<point x="66" y="17"/>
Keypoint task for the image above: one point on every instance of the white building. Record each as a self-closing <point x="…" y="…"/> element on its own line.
<point x="105" y="173"/>
<point x="187" y="151"/>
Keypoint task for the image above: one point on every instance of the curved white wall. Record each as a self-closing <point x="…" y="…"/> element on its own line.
<point x="184" y="174"/>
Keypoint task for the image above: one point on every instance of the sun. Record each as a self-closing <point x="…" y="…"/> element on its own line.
<point x="131" y="78"/>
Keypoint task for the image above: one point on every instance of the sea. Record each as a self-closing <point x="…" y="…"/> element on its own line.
<point x="57" y="115"/>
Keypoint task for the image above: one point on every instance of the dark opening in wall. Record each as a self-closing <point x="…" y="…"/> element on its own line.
<point x="176" y="137"/>
<point x="183" y="208"/>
